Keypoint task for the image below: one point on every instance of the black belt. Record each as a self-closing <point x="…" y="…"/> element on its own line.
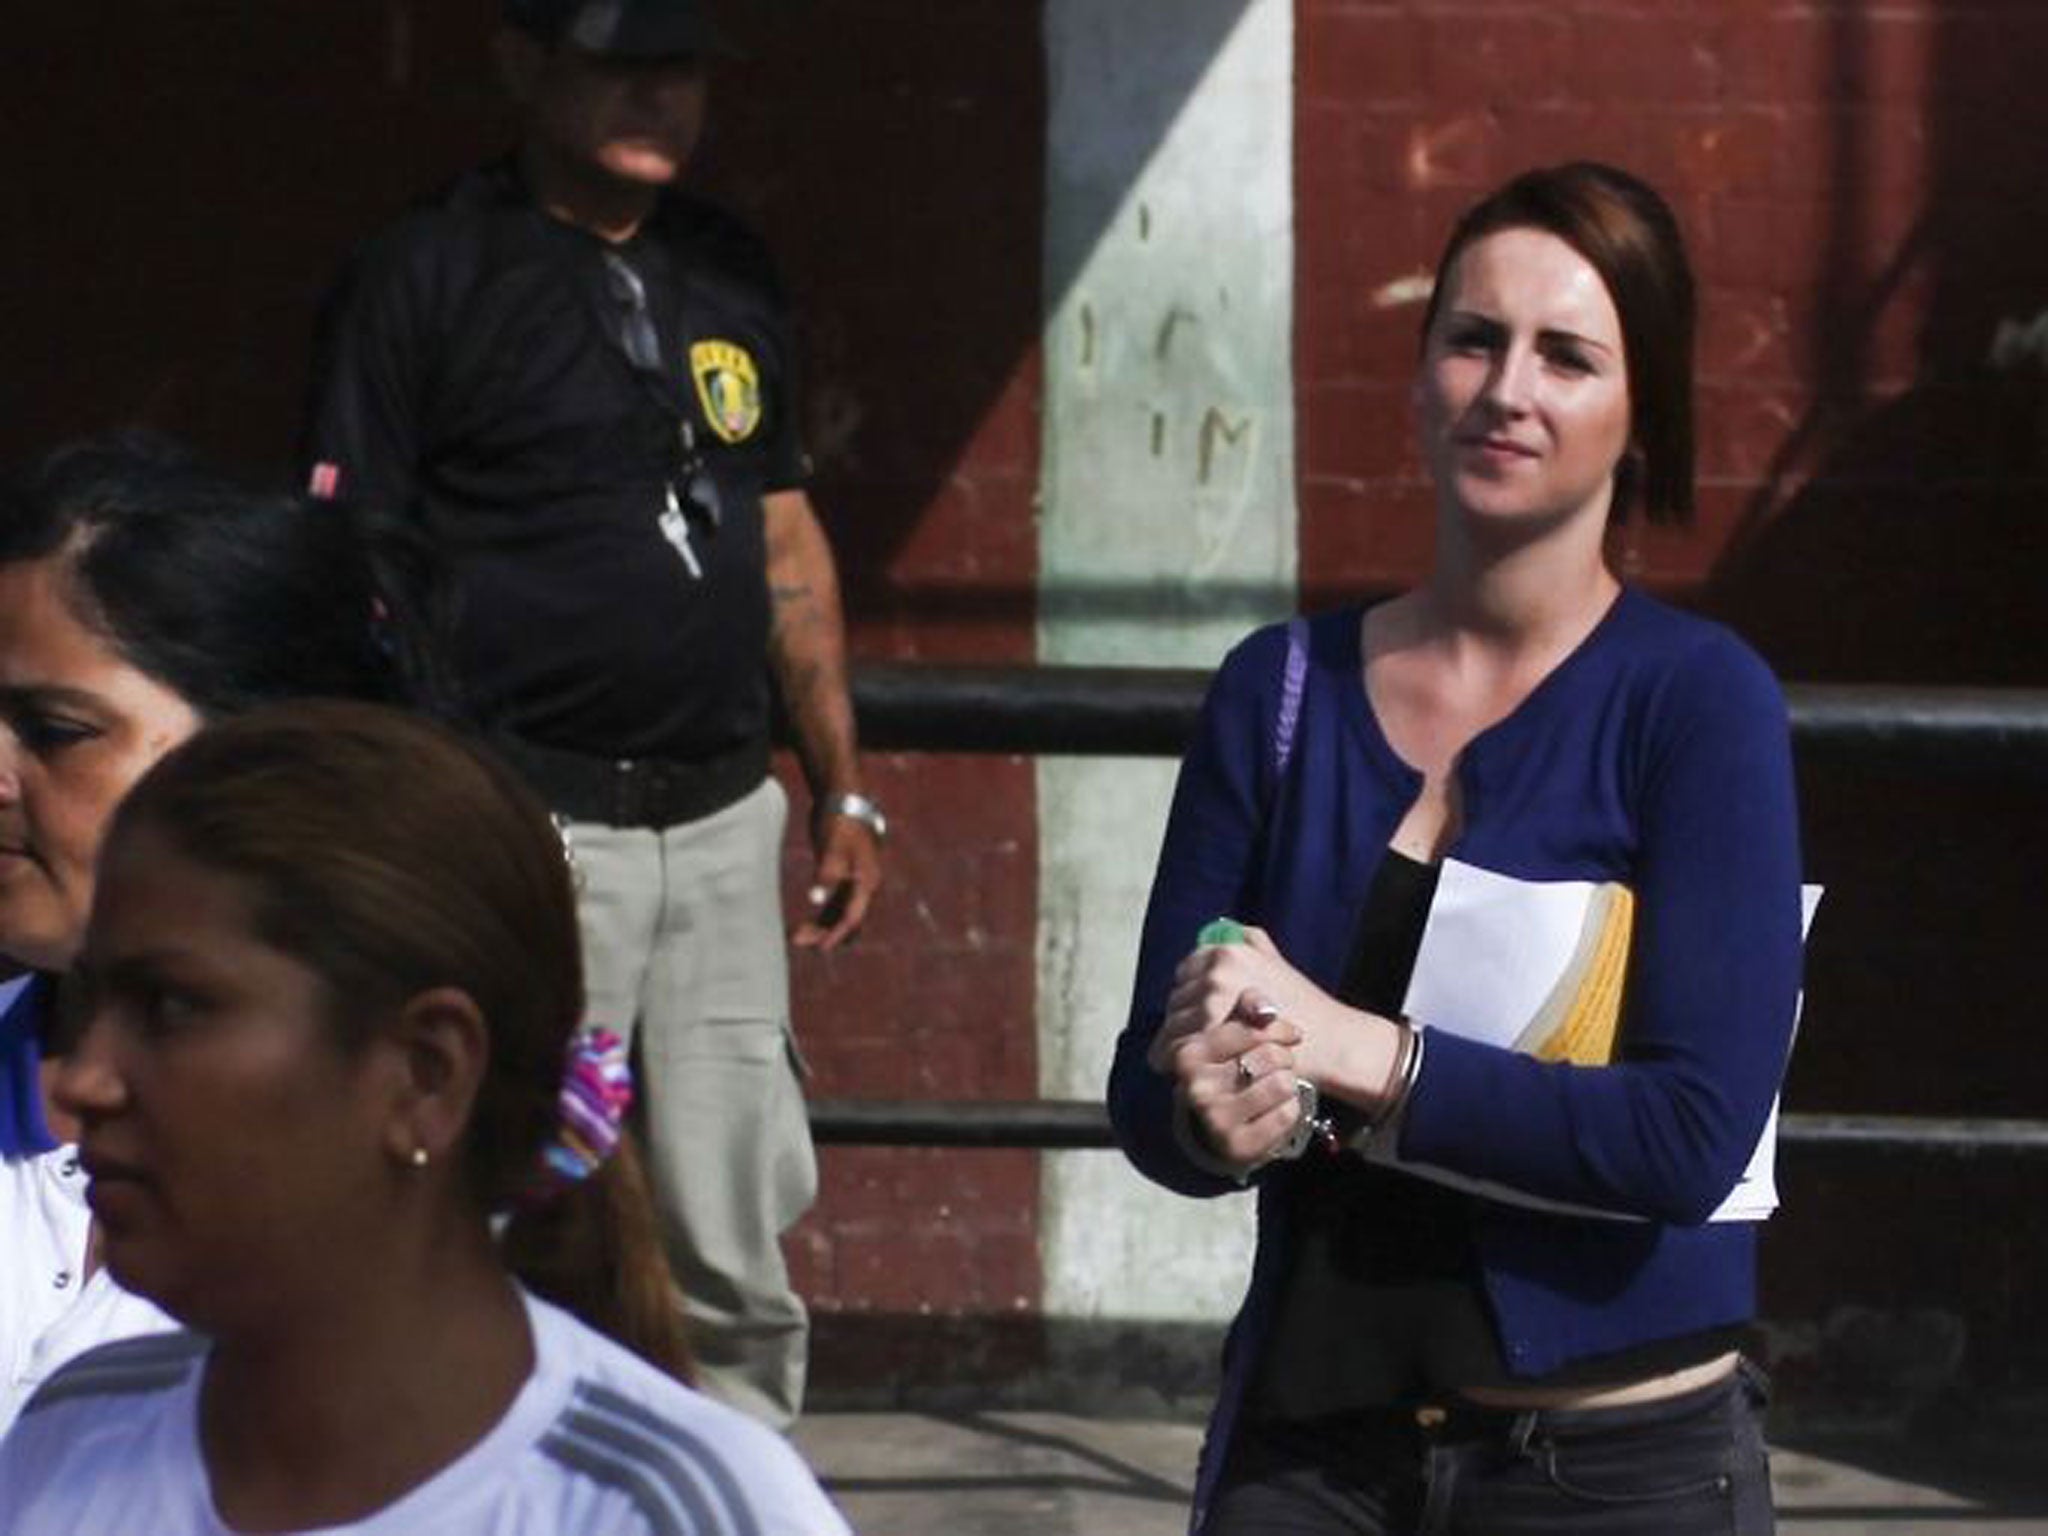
<point x="1451" y="1420"/>
<point x="636" y="791"/>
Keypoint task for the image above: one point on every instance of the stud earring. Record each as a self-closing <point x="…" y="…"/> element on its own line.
<point x="419" y="1157"/>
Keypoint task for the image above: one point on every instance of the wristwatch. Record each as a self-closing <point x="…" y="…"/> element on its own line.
<point x="861" y="809"/>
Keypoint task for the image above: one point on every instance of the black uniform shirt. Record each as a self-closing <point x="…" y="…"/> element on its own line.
<point x="473" y="368"/>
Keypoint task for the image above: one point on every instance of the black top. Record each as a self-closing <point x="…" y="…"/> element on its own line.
<point x="1382" y="1302"/>
<point x="475" y="368"/>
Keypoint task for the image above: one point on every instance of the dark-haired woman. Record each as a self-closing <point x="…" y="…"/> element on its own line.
<point x="330" y="990"/>
<point x="140" y="594"/>
<point x="1518" y="860"/>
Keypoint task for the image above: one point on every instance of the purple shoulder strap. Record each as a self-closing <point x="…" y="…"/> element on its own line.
<point x="1291" y="683"/>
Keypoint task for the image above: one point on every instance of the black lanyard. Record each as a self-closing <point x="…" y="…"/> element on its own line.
<point x="690" y="486"/>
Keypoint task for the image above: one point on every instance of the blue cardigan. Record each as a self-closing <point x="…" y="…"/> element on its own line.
<point x="1656" y="754"/>
<point x="22" y="1131"/>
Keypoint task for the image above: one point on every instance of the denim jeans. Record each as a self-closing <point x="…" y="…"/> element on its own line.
<point x="1691" y="1465"/>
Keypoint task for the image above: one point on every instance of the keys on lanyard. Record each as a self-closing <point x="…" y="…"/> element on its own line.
<point x="689" y="487"/>
<point x="675" y="527"/>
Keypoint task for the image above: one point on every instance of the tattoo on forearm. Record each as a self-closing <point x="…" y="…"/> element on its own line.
<point x="797" y="612"/>
<point x="807" y="648"/>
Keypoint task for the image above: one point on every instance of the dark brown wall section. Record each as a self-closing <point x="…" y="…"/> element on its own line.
<point x="185" y="179"/>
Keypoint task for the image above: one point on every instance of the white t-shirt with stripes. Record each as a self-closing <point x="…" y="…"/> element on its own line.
<point x="53" y="1304"/>
<point x="597" y="1442"/>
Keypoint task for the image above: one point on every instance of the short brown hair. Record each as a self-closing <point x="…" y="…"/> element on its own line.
<point x="390" y="856"/>
<point x="1630" y="236"/>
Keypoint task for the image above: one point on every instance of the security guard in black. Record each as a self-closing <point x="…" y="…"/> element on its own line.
<point x="587" y="430"/>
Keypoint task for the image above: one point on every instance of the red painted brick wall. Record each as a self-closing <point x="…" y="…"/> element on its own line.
<point x="1860" y="190"/>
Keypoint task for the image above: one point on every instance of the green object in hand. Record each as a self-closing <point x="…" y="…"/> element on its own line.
<point x="1220" y="930"/>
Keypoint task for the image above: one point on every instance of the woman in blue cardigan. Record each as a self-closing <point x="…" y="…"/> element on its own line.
<point x="1516" y="856"/>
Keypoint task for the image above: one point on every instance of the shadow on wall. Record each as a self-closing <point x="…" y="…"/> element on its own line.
<point x="1900" y="538"/>
<point x="1914" y="547"/>
<point x="894" y="152"/>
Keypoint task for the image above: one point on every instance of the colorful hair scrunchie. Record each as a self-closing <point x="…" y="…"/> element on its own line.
<point x="597" y="1089"/>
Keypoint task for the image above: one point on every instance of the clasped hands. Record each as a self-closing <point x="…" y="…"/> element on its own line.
<point x="1241" y="1026"/>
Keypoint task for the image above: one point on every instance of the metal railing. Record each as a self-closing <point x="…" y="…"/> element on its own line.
<point x="1150" y="712"/>
<point x="1083" y="1125"/>
<point x="1969" y="733"/>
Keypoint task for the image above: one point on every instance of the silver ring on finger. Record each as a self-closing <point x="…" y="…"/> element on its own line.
<point x="1246" y="1073"/>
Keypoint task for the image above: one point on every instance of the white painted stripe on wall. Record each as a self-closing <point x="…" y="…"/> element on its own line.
<point x="1167" y="530"/>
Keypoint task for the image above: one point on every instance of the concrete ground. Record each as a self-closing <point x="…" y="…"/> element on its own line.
<point x="1051" y="1474"/>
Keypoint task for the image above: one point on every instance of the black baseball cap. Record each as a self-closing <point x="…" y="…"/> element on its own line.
<point x="630" y="29"/>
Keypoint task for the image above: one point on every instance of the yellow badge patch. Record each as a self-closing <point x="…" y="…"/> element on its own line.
<point x="728" y="387"/>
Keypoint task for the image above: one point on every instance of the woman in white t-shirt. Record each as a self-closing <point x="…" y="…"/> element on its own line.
<point x="54" y="1301"/>
<point x="330" y="990"/>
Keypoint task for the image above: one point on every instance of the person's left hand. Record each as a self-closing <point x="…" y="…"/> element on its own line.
<point x="849" y="869"/>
